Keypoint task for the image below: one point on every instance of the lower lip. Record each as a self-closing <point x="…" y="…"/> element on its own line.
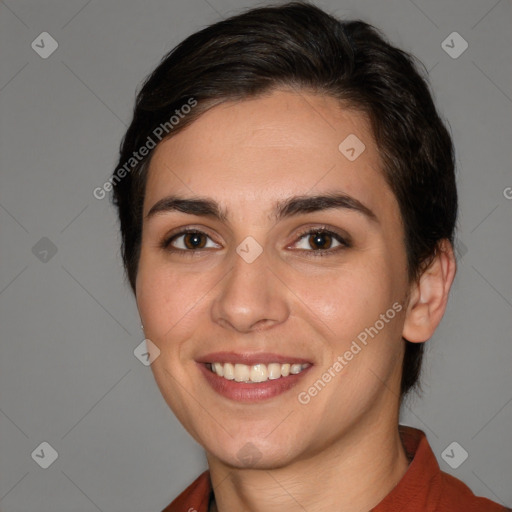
<point x="251" y="392"/>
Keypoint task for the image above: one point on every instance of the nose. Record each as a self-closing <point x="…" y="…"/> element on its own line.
<point x="251" y="297"/>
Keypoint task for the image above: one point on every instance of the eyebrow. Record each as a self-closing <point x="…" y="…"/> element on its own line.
<point x="293" y="206"/>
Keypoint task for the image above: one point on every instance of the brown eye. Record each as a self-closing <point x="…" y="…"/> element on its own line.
<point x="320" y="240"/>
<point x="188" y="241"/>
<point x="194" y="240"/>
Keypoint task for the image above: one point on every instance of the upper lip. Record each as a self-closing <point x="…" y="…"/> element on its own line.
<point x="250" y="358"/>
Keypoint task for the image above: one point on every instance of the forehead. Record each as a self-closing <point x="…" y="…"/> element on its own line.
<point x="256" y="151"/>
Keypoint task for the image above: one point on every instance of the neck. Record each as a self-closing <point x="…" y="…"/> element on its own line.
<point x="353" y="474"/>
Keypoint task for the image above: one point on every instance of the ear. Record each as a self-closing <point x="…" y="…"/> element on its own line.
<point x="429" y="295"/>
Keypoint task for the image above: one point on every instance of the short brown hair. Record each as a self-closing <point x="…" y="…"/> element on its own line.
<point x="300" y="46"/>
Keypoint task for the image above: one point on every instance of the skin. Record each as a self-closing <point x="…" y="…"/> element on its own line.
<point x="248" y="155"/>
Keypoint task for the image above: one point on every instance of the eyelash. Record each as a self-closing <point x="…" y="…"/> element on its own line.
<point x="345" y="243"/>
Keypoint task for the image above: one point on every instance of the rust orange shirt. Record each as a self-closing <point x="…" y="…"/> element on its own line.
<point x="423" y="488"/>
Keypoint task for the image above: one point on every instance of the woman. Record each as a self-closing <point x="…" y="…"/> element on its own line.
<point x="287" y="202"/>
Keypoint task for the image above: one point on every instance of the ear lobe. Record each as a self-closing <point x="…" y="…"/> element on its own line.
<point x="429" y="295"/>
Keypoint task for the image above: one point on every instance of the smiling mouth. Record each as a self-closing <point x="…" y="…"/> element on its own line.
<point x="256" y="373"/>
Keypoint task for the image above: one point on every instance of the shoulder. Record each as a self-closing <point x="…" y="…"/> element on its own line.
<point x="456" y="495"/>
<point x="195" y="498"/>
<point x="425" y="487"/>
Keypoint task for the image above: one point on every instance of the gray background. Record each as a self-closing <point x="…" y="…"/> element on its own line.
<point x="69" y="325"/>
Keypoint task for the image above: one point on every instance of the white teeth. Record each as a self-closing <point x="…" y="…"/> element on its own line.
<point x="219" y="369"/>
<point x="259" y="373"/>
<point x="242" y="372"/>
<point x="295" y="368"/>
<point x="228" y="371"/>
<point x="256" y="373"/>
<point x="274" y="371"/>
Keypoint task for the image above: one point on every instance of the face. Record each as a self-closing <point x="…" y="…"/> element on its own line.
<point x="299" y="300"/>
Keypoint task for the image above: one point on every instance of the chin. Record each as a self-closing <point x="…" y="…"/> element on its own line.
<point x="252" y="456"/>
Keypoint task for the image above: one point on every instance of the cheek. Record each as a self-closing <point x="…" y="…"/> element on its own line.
<point x="161" y="298"/>
<point x="171" y="303"/>
<point x="347" y="306"/>
<point x="347" y="299"/>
